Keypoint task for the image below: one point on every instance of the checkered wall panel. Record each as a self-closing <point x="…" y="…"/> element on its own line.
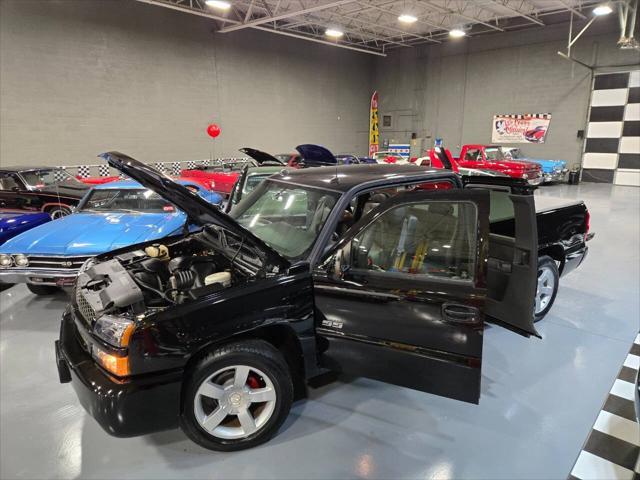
<point x="160" y="167"/>
<point x="104" y="171"/>
<point x="59" y="174"/>
<point x="612" y="146"/>
<point x="84" y="171"/>
<point x="175" y="168"/>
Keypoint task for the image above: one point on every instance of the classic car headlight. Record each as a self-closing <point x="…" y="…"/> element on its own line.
<point x="6" y="261"/>
<point x="21" y="260"/>
<point x="114" y="330"/>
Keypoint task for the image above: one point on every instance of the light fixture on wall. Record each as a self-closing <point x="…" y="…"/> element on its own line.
<point x="407" y="18"/>
<point x="457" y="32"/>
<point x="219" y="4"/>
<point x="602" y="10"/>
<point x="333" y="33"/>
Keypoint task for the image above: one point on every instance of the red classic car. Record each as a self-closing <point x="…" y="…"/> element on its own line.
<point x="490" y="157"/>
<point x="219" y="178"/>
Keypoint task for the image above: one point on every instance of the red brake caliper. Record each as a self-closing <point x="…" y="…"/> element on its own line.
<point x="253" y="382"/>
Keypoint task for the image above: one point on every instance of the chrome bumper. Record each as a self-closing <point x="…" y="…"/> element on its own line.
<point x="535" y="181"/>
<point x="39" y="276"/>
<point x="557" y="176"/>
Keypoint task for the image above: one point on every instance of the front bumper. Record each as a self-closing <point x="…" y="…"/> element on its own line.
<point x="58" y="277"/>
<point x="555" y="176"/>
<point x="122" y="407"/>
<point x="535" y="181"/>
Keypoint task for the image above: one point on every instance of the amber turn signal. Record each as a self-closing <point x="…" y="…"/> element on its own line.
<point x="119" y="366"/>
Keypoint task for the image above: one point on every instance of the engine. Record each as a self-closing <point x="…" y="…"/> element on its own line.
<point x="153" y="278"/>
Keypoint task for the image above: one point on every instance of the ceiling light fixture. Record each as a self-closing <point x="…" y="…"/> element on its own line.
<point x="333" y="33"/>
<point x="602" y="10"/>
<point x="406" y="18"/>
<point x="219" y="4"/>
<point x="457" y="33"/>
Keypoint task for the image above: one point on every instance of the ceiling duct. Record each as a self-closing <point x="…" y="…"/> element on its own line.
<point x="628" y="16"/>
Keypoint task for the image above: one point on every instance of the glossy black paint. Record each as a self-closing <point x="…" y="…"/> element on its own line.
<point x="31" y="199"/>
<point x="288" y="309"/>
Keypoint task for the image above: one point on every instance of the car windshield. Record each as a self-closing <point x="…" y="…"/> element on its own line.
<point x="46" y="177"/>
<point x="494" y="154"/>
<point x="515" y="153"/>
<point x="288" y="218"/>
<point x="138" y="200"/>
<point x="253" y="180"/>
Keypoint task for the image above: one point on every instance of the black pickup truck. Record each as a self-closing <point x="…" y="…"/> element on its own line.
<point x="383" y="271"/>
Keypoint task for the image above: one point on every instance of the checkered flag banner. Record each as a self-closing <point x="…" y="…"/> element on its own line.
<point x="160" y="167"/>
<point x="206" y="162"/>
<point x="104" y="171"/>
<point x="59" y="174"/>
<point x="84" y="171"/>
<point x="541" y="116"/>
<point x="175" y="168"/>
<point x="191" y="165"/>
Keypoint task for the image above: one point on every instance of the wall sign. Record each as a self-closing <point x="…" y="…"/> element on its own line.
<point x="527" y="128"/>
<point x="373" y="126"/>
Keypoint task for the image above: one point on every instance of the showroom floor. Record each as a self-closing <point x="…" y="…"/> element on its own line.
<point x="539" y="400"/>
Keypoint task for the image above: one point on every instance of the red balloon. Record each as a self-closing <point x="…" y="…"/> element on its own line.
<point x="213" y="130"/>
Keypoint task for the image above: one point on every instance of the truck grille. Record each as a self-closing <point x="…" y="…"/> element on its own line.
<point x="72" y="263"/>
<point x="86" y="310"/>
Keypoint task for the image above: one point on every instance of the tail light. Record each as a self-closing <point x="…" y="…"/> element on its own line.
<point x="587" y="222"/>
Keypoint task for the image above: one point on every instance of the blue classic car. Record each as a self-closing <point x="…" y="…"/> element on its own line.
<point x="14" y="223"/>
<point x="110" y="216"/>
<point x="552" y="170"/>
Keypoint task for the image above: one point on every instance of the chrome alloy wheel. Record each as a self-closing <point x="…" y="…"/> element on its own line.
<point x="234" y="402"/>
<point x="545" y="288"/>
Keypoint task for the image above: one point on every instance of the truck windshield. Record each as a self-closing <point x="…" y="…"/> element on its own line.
<point x="494" y="154"/>
<point x="288" y="218"/>
<point x="126" y="199"/>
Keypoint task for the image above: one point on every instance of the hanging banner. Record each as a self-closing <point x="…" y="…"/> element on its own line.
<point x="373" y="126"/>
<point x="528" y="128"/>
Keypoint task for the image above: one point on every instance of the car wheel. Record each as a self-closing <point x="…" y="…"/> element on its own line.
<point x="547" y="287"/>
<point x="42" y="289"/>
<point x="58" y="212"/>
<point x="237" y="396"/>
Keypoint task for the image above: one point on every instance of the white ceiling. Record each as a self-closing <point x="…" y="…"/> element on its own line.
<point x="372" y="26"/>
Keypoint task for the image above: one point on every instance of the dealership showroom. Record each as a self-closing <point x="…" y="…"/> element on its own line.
<point x="328" y="239"/>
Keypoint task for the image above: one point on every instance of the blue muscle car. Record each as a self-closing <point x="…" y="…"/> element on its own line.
<point x="110" y="216"/>
<point x="14" y="223"/>
<point x="552" y="170"/>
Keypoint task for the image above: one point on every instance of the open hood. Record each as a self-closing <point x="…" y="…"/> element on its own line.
<point x="316" y="155"/>
<point x="262" y="158"/>
<point x="198" y="210"/>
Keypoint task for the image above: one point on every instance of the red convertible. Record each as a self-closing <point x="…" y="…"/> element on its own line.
<point x="218" y="178"/>
<point x="490" y="157"/>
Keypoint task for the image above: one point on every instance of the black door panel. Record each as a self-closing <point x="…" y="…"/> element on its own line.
<point x="400" y="299"/>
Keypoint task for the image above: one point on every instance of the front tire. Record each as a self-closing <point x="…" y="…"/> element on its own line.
<point x="42" y="289"/>
<point x="547" y="286"/>
<point x="237" y="396"/>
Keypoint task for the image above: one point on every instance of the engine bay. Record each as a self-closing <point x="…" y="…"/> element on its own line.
<point x="153" y="278"/>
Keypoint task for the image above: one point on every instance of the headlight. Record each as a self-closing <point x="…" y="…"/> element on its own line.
<point x="114" y="330"/>
<point x="6" y="261"/>
<point x="21" y="260"/>
<point x="524" y="175"/>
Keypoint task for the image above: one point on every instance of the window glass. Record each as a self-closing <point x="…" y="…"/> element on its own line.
<point x="8" y="181"/>
<point x="494" y="154"/>
<point x="129" y="199"/>
<point x="286" y="217"/>
<point x="436" y="239"/>
<point x="473" y="154"/>
<point x="501" y="206"/>
<point x="48" y="177"/>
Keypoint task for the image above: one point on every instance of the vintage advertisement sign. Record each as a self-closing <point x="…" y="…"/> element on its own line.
<point x="527" y="128"/>
<point x="374" y="136"/>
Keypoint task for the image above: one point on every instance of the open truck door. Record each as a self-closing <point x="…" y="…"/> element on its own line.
<point x="512" y="263"/>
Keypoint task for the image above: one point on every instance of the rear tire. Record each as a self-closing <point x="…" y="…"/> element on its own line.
<point x="42" y="289"/>
<point x="547" y="286"/>
<point x="221" y="409"/>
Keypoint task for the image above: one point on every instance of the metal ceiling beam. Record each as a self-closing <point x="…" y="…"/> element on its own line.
<point x="186" y="9"/>
<point x="317" y="40"/>
<point x="282" y="16"/>
<point x="520" y="13"/>
<point x="571" y="9"/>
<point x="462" y="15"/>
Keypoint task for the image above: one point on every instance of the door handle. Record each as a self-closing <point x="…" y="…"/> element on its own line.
<point x="460" y="314"/>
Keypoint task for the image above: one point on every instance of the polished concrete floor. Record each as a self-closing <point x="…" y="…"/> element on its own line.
<point x="539" y="397"/>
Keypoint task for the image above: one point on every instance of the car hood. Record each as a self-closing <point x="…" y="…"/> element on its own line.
<point x="261" y="157"/>
<point x="316" y="155"/>
<point x="94" y="233"/>
<point x="199" y="211"/>
<point x="548" y="163"/>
